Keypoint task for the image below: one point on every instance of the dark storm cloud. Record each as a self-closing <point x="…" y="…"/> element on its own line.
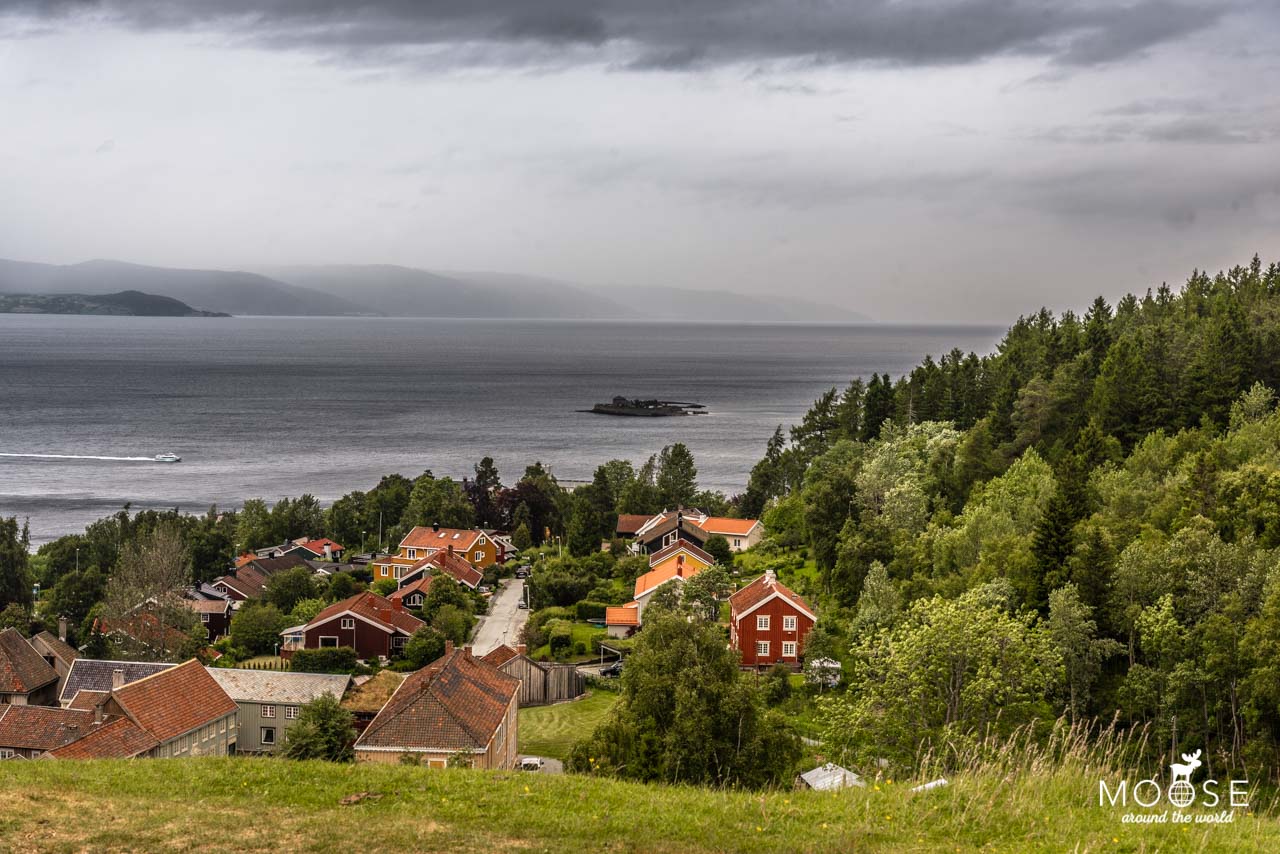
<point x="670" y="34"/>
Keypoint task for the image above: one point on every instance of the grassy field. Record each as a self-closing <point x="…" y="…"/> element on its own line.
<point x="583" y="633"/>
<point x="241" y="804"/>
<point x="552" y="730"/>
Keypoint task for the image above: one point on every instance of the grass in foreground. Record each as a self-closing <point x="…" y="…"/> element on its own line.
<point x="552" y="730"/>
<point x="242" y="804"/>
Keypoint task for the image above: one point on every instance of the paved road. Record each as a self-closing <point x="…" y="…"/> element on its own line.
<point x="503" y="622"/>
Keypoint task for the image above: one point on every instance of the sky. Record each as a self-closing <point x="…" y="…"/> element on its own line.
<point x="914" y="160"/>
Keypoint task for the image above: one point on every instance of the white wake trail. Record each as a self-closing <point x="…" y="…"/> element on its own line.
<point x="80" y="457"/>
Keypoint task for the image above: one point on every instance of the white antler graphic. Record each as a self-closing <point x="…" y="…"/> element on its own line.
<point x="1184" y="772"/>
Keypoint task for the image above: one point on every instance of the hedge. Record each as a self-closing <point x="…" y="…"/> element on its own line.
<point x="331" y="659"/>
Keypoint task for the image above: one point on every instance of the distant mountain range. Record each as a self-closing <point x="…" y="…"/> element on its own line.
<point x="403" y="292"/>
<point x="125" y="303"/>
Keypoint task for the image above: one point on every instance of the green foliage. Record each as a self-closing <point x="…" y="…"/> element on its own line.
<point x="329" y="659"/>
<point x="305" y="610"/>
<point x="777" y="685"/>
<point x="256" y="627"/>
<point x="677" y="477"/>
<point x="687" y="715"/>
<point x="426" y="645"/>
<point x="385" y="586"/>
<point x="286" y="589"/>
<point x="14" y="616"/>
<point x="451" y="622"/>
<point x="323" y="730"/>
<point x="15" y="580"/>
<point x="718" y="547"/>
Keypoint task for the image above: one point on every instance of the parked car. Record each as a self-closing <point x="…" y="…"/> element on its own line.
<point x="531" y="763"/>
<point x="524" y="571"/>
<point x="522" y="605"/>
<point x="614" y="669"/>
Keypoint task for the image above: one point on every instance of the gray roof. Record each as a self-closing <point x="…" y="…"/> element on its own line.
<point x="91" y="674"/>
<point x="275" y="686"/>
<point x="829" y="777"/>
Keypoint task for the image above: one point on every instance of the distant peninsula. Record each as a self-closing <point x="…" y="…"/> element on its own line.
<point x="122" y="304"/>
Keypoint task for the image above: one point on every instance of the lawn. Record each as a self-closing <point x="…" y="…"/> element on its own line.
<point x="551" y="730"/>
<point x="582" y="633"/>
<point x="273" y="805"/>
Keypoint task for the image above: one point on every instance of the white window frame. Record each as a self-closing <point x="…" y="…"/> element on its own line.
<point x="262" y="735"/>
<point x="478" y="555"/>
<point x="268" y="711"/>
<point x="398" y="642"/>
<point x="204" y="618"/>
<point x="788" y="649"/>
<point x="413" y="554"/>
<point x="737" y="542"/>
<point x="762" y="622"/>
<point x="789" y="623"/>
<point x="762" y="648"/>
<point x="290" y="713"/>
<point x="324" y="638"/>
<point x="347" y="623"/>
<point x="6" y="753"/>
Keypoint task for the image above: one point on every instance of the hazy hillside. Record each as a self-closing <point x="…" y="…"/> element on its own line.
<point x="125" y="303"/>
<point x="230" y="292"/>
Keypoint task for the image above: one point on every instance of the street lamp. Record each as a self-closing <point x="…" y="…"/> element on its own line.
<point x="35" y="591"/>
<point x="77" y="558"/>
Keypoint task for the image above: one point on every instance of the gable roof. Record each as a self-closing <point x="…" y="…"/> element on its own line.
<point x="372" y="694"/>
<point x="761" y="590"/>
<point x="41" y="727"/>
<point x="22" y="669"/>
<point x="269" y="686"/>
<point x="55" y="646"/>
<point x="681" y="545"/>
<point x="438" y="538"/>
<point x="87" y="700"/>
<point x="119" y="738"/>
<point x="451" y="563"/>
<point x="499" y="655"/>
<point x="175" y="701"/>
<point x="726" y="527"/>
<point x="317" y="545"/>
<point x="629" y="523"/>
<point x="207" y="606"/>
<point x="647" y="583"/>
<point x="455" y="703"/>
<point x="623" y="615"/>
<point x="249" y="579"/>
<point x="373" y="608"/>
<point x="421" y="584"/>
<point x="91" y="674"/>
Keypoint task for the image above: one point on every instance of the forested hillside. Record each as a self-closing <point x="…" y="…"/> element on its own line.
<point x="1084" y="523"/>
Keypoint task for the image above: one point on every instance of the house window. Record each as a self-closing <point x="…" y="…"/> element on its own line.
<point x="222" y="725"/>
<point x="413" y="554"/>
<point x="348" y="622"/>
<point x="479" y="556"/>
<point x="737" y="542"/>
<point x="789" y="624"/>
<point x="788" y="649"/>
<point x="6" y="753"/>
<point x="204" y="618"/>
<point x="762" y="623"/>
<point x="762" y="648"/>
<point x="268" y="711"/>
<point x="328" y="640"/>
<point x="290" y="713"/>
<point x="398" y="641"/>
<point x="268" y="735"/>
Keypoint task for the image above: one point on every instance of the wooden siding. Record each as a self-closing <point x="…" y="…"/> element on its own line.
<point x="542" y="683"/>
<point x="745" y="634"/>
<point x="251" y="722"/>
<point x="367" y="640"/>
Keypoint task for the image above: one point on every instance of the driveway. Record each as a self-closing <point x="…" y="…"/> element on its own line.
<point x="503" y="622"/>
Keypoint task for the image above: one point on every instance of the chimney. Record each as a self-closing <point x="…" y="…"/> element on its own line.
<point x="328" y="552"/>
<point x="466" y="650"/>
<point x="450" y="549"/>
<point x="117" y="679"/>
<point x="97" y="713"/>
<point x="397" y="604"/>
<point x="62" y="629"/>
<point x="521" y="648"/>
<point x="435" y="526"/>
<point x="448" y="647"/>
<point x="769" y="578"/>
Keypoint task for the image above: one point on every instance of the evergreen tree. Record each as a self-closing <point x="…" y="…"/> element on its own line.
<point x="677" y="478"/>
<point x="15" y="578"/>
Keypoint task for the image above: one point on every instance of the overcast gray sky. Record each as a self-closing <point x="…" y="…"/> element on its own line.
<point x="930" y="160"/>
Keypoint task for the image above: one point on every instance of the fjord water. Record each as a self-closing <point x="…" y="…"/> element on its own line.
<point x="270" y="406"/>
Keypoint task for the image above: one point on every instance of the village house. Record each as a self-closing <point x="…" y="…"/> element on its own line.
<point x="178" y="712"/>
<point x="677" y="562"/>
<point x="413" y="593"/>
<point x="458" y="708"/>
<point x="694" y="526"/>
<point x="97" y="677"/>
<point x="475" y="547"/>
<point x="27" y="732"/>
<point x="248" y="580"/>
<point x="768" y="623"/>
<point x="540" y="682"/>
<point x="317" y="548"/>
<point x="215" y="615"/>
<point x="26" y="678"/>
<point x="446" y="562"/>
<point x="375" y="627"/>
<point x="270" y="701"/>
<point x="55" y="650"/>
<point x="622" y="621"/>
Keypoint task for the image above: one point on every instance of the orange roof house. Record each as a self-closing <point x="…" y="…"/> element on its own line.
<point x="445" y="562"/>
<point x="457" y="706"/>
<point x="622" y="620"/>
<point x="474" y="546"/>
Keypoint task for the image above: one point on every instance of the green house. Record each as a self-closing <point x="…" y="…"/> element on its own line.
<point x="269" y="702"/>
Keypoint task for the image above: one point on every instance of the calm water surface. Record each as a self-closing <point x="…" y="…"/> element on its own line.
<point x="280" y="406"/>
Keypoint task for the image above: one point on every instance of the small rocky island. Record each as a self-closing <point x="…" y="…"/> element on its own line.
<point x="646" y="408"/>
<point x="122" y="304"/>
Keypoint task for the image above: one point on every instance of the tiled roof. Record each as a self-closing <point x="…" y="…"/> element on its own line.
<point x="120" y="738"/>
<point x="86" y="700"/>
<point x="629" y="523"/>
<point x="267" y="686"/>
<point x="175" y="701"/>
<point x="499" y="656"/>
<point x="450" y="563"/>
<point x="725" y="526"/>
<point x="677" y="546"/>
<point x="455" y="703"/>
<point x="676" y="569"/>
<point x="761" y="589"/>
<point x="207" y="606"/>
<point x="41" y="727"/>
<point x="250" y="578"/>
<point x="432" y="538"/>
<point x="22" y="669"/>
<point x="625" y="615"/>
<point x="55" y="646"/>
<point x="421" y="584"/>
<point x="317" y="545"/>
<point x="90" y="674"/>
<point x="374" y="608"/>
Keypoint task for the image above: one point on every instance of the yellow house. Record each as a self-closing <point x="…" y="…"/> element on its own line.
<point x="475" y="547"/>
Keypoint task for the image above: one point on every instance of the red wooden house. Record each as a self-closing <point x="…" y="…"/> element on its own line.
<point x="372" y="625"/>
<point x="768" y="623"/>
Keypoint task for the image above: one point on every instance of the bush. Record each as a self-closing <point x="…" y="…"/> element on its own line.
<point x="579" y="648"/>
<point x="385" y="586"/>
<point x="590" y="610"/>
<point x="340" y="659"/>
<point x="256" y="627"/>
<point x="324" y="730"/>
<point x="777" y="686"/>
<point x="560" y="638"/>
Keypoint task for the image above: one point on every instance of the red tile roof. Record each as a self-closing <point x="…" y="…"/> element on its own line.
<point x="431" y="538"/>
<point x="317" y="545"/>
<point x="119" y="738"/>
<point x="87" y="700"/>
<point x="22" y="669"/>
<point x="725" y="526"/>
<point x="421" y="584"/>
<point x="55" y="646"/>
<point x="499" y="656"/>
<point x="374" y="608"/>
<point x="761" y="589"/>
<point x="624" y="615"/>
<point x="629" y="523"/>
<point x="207" y="606"/>
<point x="175" y="701"/>
<point x="455" y="703"/>
<point x="41" y="727"/>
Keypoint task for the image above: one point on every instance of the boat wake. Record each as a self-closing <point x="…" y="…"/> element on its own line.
<point x="80" y="457"/>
